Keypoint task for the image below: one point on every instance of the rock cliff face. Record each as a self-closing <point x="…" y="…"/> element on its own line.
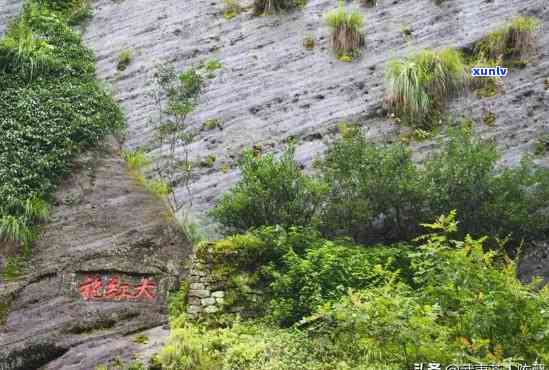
<point x="269" y="90"/>
<point x="104" y="226"/>
<point x="8" y="10"/>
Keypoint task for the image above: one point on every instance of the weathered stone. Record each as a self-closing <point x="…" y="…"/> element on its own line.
<point x="197" y="286"/>
<point x="192" y="309"/>
<point x="115" y="227"/>
<point x="211" y="309"/>
<point x="204" y="293"/>
<point x="207" y="301"/>
<point x="194" y="301"/>
<point x="198" y="272"/>
<point x="220" y="300"/>
<point x="218" y="294"/>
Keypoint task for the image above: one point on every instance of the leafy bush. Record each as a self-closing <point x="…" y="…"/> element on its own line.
<point x="241" y="346"/>
<point x="379" y="194"/>
<point x="368" y="181"/>
<point x="271" y="192"/>
<point x="296" y="269"/>
<point x="418" y="87"/>
<point x="489" y="201"/>
<point x="323" y="274"/>
<point x="457" y="304"/>
<point x="50" y="114"/>
<point x="347" y="37"/>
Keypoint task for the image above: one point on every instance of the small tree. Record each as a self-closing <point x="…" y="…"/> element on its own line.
<point x="175" y="97"/>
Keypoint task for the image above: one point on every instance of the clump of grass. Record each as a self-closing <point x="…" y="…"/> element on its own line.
<point x="141" y="339"/>
<point x="211" y="124"/>
<point x="514" y="41"/>
<point x="489" y="119"/>
<point x="232" y="9"/>
<point x="135" y="159"/>
<point x="369" y="2"/>
<point x="208" y="162"/>
<point x="275" y="6"/>
<point x="124" y="60"/>
<point x="309" y="42"/>
<point x="487" y="86"/>
<point x="213" y="64"/>
<point x="347" y="38"/>
<point x="418" y="87"/>
<point x="541" y="146"/>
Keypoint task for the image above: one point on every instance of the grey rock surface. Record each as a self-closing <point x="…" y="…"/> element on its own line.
<point x="8" y="10"/>
<point x="271" y="88"/>
<point x="104" y="224"/>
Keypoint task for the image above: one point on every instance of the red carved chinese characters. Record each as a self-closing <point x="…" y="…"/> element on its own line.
<point x="145" y="289"/>
<point x="92" y="289"/>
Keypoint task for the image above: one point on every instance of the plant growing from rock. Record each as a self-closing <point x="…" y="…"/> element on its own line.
<point x="418" y="87"/>
<point x="25" y="53"/>
<point x="174" y="95"/>
<point x="124" y="60"/>
<point x="347" y="38"/>
<point x="512" y="42"/>
<point x="369" y="2"/>
<point x="232" y="9"/>
<point x="275" y="6"/>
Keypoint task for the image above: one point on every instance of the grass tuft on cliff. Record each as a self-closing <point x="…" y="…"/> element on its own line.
<point x="418" y="87"/>
<point x="275" y="6"/>
<point x="514" y="41"/>
<point x="347" y="37"/>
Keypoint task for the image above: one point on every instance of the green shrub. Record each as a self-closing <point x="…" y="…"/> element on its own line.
<point x="457" y="304"/>
<point x="323" y="274"/>
<point x="385" y="181"/>
<point x="347" y="36"/>
<point x="489" y="201"/>
<point x="124" y="60"/>
<point x="418" y="87"/>
<point x="271" y="192"/>
<point x="52" y="111"/>
<point x="382" y="198"/>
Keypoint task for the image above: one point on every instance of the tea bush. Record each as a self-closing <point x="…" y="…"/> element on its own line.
<point x="51" y="108"/>
<point x="272" y="191"/>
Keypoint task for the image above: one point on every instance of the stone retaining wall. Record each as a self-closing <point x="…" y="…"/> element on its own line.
<point x="204" y="297"/>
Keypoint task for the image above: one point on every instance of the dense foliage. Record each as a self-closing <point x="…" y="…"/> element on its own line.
<point x="272" y="191"/>
<point x="449" y="301"/>
<point x="51" y="107"/>
<point x="377" y="193"/>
